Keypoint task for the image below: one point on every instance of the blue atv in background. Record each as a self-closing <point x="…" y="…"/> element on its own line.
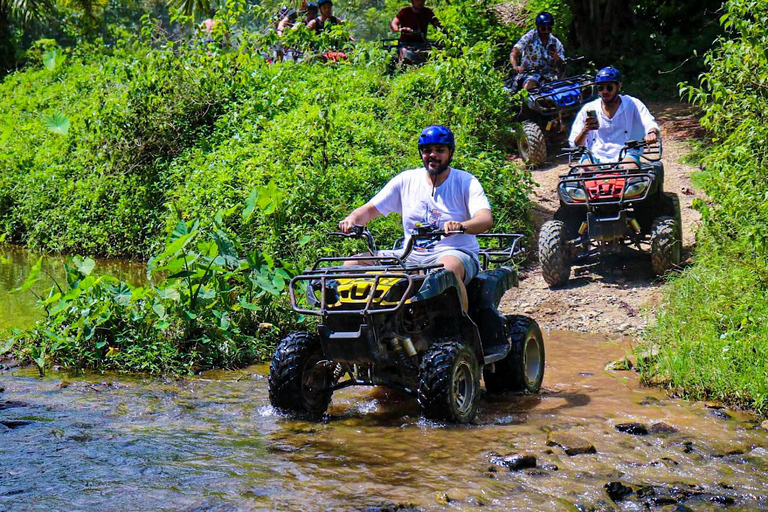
<point x="546" y="112"/>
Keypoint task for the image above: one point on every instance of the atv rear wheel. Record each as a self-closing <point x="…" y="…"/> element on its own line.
<point x="523" y="368"/>
<point x="449" y="382"/>
<point x="665" y="244"/>
<point x="554" y="255"/>
<point x="300" y="375"/>
<point x="531" y="144"/>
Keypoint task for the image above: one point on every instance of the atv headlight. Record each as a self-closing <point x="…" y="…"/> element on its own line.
<point x="573" y="191"/>
<point x="635" y="187"/>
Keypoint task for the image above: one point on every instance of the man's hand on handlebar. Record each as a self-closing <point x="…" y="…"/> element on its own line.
<point x="346" y="225"/>
<point x="453" y="225"/>
<point x="652" y="137"/>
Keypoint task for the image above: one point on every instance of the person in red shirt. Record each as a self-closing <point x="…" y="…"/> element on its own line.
<point x="412" y="24"/>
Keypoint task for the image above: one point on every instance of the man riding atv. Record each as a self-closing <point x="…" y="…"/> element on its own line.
<point x="541" y="53"/>
<point x="412" y="23"/>
<point x="607" y="123"/>
<point x="435" y="195"/>
<point x="402" y="318"/>
<point x="613" y="197"/>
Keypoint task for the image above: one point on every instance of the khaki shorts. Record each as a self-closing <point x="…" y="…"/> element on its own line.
<point x="470" y="262"/>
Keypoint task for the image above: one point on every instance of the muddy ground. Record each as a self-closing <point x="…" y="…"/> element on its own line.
<point x="615" y="295"/>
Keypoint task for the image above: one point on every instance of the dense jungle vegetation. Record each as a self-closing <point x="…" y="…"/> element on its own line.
<point x="712" y="329"/>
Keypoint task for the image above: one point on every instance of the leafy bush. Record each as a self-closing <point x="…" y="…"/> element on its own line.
<point x="712" y="328"/>
<point x="109" y="151"/>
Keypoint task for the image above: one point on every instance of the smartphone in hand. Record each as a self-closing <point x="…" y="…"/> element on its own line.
<point x="592" y="114"/>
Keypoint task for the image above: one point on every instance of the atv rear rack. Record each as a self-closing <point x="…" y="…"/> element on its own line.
<point x="549" y="90"/>
<point x="498" y="255"/>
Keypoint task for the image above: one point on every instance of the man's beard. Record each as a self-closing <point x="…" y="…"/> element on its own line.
<point x="440" y="170"/>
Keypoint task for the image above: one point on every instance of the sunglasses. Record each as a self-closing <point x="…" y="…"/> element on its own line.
<point x="602" y="88"/>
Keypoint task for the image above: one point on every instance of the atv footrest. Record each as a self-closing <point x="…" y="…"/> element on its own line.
<point x="495" y="353"/>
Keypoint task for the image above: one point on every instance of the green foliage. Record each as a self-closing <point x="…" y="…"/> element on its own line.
<point x="209" y="303"/>
<point x="239" y="165"/>
<point x="712" y="330"/>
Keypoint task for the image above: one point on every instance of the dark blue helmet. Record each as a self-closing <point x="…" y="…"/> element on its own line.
<point x="437" y="134"/>
<point x="545" y="18"/>
<point x="321" y="3"/>
<point x="312" y="5"/>
<point x="609" y="74"/>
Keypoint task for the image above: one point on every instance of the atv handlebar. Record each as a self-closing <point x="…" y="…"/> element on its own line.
<point x="427" y="233"/>
<point x="361" y="232"/>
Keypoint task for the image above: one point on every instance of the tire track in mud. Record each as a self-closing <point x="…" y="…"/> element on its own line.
<point x="616" y="294"/>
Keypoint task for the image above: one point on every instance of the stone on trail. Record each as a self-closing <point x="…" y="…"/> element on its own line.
<point x="719" y="414"/>
<point x="635" y="429"/>
<point x="572" y="445"/>
<point x="764" y="425"/>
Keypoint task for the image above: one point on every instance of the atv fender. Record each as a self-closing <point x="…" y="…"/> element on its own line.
<point x="485" y="292"/>
<point x="442" y="289"/>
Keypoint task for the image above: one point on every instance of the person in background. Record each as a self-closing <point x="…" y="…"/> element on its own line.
<point x="537" y="55"/>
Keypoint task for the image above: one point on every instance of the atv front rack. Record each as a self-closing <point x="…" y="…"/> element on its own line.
<point x="545" y="99"/>
<point x="370" y="275"/>
<point x="608" y="172"/>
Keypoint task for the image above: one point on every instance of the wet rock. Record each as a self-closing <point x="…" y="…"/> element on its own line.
<point x="2" y="389"/>
<point x="586" y="374"/>
<point x="550" y="467"/>
<point x="719" y="414"/>
<point x="662" y="428"/>
<point x="15" y="423"/>
<point x="514" y="462"/>
<point x="620" y="365"/>
<point x="617" y="491"/>
<point x="721" y="500"/>
<point x="764" y="425"/>
<point x="635" y="429"/>
<point x="3" y="429"/>
<point x="391" y="507"/>
<point x="714" y="405"/>
<point x="10" y="404"/>
<point x="572" y="445"/>
<point x="646" y="354"/>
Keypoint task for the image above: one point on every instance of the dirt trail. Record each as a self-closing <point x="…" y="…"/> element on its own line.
<point x="610" y="295"/>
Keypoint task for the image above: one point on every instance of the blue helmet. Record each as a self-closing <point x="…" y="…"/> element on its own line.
<point x="321" y="3"/>
<point x="311" y="6"/>
<point x="545" y="18"/>
<point x="437" y="134"/>
<point x="609" y="74"/>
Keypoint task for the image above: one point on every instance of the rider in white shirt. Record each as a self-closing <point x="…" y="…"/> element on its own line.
<point x="618" y="119"/>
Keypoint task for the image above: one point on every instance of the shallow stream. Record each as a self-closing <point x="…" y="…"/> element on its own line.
<point x="212" y="442"/>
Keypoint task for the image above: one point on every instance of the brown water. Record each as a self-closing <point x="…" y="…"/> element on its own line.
<point x="18" y="309"/>
<point x="214" y="443"/>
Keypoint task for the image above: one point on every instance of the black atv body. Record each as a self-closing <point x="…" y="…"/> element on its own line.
<point x="403" y="326"/>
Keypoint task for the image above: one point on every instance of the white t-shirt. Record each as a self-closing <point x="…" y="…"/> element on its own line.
<point x="632" y="121"/>
<point x="458" y="198"/>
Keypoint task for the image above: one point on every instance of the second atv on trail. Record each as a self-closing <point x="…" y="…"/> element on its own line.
<point x="609" y="207"/>
<point x="402" y="326"/>
<point x="547" y="110"/>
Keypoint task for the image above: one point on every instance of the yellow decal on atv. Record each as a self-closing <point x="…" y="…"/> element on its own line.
<point x="356" y="291"/>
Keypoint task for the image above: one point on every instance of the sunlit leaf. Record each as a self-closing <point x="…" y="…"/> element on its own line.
<point x="250" y="205"/>
<point x="84" y="266"/>
<point x="159" y="309"/>
<point x="57" y="123"/>
<point x="53" y="59"/>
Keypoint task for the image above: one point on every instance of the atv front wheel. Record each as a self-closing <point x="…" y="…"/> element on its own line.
<point x="300" y="376"/>
<point x="449" y="382"/>
<point x="665" y="244"/>
<point x="523" y="368"/>
<point x="531" y="144"/>
<point x="554" y="256"/>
